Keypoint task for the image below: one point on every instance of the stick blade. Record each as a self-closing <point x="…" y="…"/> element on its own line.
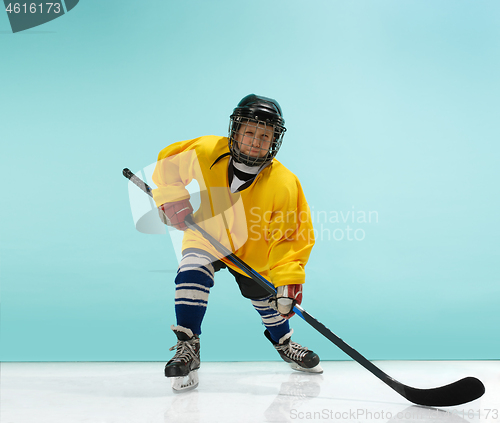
<point x="456" y="393"/>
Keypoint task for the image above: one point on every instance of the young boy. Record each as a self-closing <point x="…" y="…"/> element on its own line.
<point x="255" y="207"/>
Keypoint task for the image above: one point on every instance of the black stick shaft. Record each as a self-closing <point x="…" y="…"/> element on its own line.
<point x="460" y="392"/>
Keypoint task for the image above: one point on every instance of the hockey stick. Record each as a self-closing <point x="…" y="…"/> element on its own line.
<point x="459" y="392"/>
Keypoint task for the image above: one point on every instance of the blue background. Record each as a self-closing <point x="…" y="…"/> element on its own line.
<point x="391" y="106"/>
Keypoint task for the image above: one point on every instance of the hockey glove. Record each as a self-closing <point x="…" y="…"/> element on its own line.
<point x="287" y="296"/>
<point x="173" y="214"/>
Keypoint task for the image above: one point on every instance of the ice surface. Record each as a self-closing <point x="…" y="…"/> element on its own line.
<point x="235" y="392"/>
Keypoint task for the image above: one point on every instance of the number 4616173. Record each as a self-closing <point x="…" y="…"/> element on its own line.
<point x="33" y="8"/>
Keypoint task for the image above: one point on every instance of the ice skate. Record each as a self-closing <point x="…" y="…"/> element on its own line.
<point x="299" y="357"/>
<point x="183" y="367"/>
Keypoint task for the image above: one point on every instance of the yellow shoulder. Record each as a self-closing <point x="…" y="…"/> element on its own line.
<point x="205" y="145"/>
<point x="285" y="184"/>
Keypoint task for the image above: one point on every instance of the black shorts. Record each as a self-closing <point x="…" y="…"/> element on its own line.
<point x="248" y="287"/>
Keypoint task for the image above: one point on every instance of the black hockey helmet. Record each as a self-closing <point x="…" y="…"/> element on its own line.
<point x="264" y="112"/>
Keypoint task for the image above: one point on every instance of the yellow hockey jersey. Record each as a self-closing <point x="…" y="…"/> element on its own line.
<point x="267" y="225"/>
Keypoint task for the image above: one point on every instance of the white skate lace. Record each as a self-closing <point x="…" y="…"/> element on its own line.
<point x="185" y="350"/>
<point x="293" y="350"/>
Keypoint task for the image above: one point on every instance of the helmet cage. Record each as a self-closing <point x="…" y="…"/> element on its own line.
<point x="236" y="123"/>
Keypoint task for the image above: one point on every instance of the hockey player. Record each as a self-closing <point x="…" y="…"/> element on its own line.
<point x="254" y="206"/>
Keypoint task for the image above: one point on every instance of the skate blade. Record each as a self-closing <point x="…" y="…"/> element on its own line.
<point x="185" y="383"/>
<point x="315" y="369"/>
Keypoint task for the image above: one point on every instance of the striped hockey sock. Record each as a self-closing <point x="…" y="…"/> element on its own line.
<point x="277" y="325"/>
<point x="194" y="279"/>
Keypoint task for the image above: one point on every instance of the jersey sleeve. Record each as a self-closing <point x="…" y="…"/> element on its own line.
<point x="291" y="236"/>
<point x="175" y="168"/>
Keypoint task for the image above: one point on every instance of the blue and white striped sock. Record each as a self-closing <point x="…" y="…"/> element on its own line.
<point x="194" y="279"/>
<point x="277" y="325"/>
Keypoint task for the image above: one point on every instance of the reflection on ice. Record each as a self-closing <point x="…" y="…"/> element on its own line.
<point x="298" y="389"/>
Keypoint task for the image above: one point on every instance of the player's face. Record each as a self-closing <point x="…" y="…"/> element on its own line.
<point x="254" y="139"/>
